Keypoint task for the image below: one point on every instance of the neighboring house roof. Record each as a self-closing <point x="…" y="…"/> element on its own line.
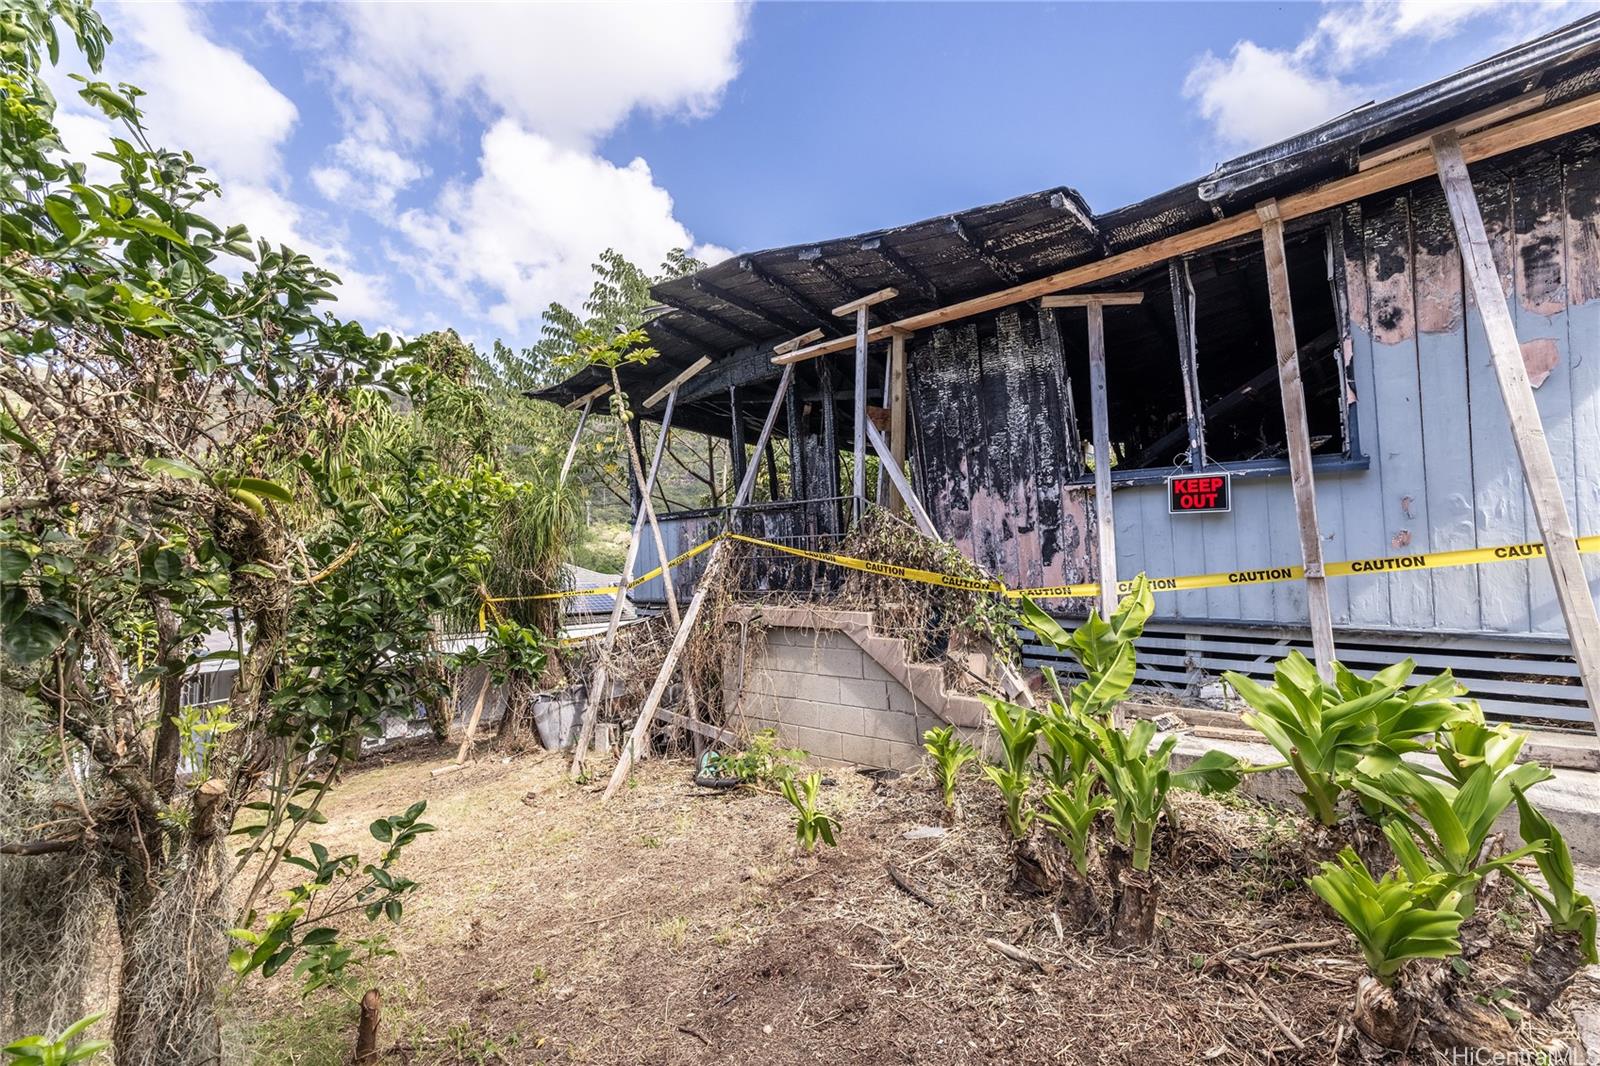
<point x="599" y="603"/>
<point x="758" y="299"/>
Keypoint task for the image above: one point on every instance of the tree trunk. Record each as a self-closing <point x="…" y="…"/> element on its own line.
<point x="1078" y="899"/>
<point x="1036" y="869"/>
<point x="172" y="966"/>
<point x="367" y="1032"/>
<point x="1383" y="1017"/>
<point x="1133" y="921"/>
<point x="1555" y="962"/>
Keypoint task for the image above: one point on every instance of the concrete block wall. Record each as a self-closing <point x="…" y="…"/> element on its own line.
<point x="823" y="693"/>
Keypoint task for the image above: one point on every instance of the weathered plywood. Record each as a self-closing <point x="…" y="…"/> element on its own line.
<point x="989" y="396"/>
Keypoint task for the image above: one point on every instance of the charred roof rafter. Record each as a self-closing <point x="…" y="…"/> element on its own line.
<point x="824" y="319"/>
<point x="772" y="318"/>
<point x="997" y="266"/>
<point x="818" y="262"/>
<point x="879" y="247"/>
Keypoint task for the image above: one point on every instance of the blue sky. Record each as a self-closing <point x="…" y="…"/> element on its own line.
<point x="463" y="164"/>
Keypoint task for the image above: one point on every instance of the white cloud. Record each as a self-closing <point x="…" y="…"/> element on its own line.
<point x="526" y="231"/>
<point x="1257" y="95"/>
<point x="210" y="100"/>
<point x="548" y="81"/>
<point x="571" y="71"/>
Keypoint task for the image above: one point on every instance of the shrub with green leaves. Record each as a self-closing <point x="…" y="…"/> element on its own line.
<point x="1394" y="919"/>
<point x="61" y="1050"/>
<point x="339" y="884"/>
<point x="812" y="823"/>
<point x="949" y="754"/>
<point x="1019" y="735"/>
<point x="761" y="760"/>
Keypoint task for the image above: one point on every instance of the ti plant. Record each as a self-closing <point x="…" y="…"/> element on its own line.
<point x="1569" y="910"/>
<point x="1437" y="828"/>
<point x="949" y="753"/>
<point x="1019" y="734"/>
<point x="62" y="1050"/>
<point x="811" y="823"/>
<point x="1330" y="732"/>
<point x="1395" y="919"/>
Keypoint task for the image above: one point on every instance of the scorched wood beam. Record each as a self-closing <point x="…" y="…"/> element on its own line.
<point x="767" y="315"/>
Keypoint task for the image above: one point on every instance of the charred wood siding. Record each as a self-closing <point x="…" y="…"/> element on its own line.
<point x="992" y="444"/>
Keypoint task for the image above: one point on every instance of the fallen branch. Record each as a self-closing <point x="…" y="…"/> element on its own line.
<point x="1297" y="945"/>
<point x="697" y="1034"/>
<point x="1275" y="1019"/>
<point x="40" y="847"/>
<point x="905" y="885"/>
<point x="1017" y="955"/>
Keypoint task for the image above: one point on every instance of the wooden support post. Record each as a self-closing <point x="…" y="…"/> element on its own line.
<point x="897" y="410"/>
<point x="1299" y="438"/>
<point x="736" y="436"/>
<point x="858" y="480"/>
<point x="602" y="671"/>
<point x="477" y="715"/>
<point x="652" y="702"/>
<point x="858" y="419"/>
<point x="829" y="473"/>
<point x="572" y="448"/>
<point x="1527" y="431"/>
<point x="1095" y="304"/>
<point x="1100" y="414"/>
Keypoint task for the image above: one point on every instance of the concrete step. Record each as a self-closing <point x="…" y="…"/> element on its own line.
<point x="1571" y="799"/>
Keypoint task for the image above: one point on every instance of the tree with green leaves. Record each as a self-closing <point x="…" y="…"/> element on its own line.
<point x="201" y="464"/>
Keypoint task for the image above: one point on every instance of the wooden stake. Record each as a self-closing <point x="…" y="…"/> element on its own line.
<point x="1298" y="434"/>
<point x="477" y="713"/>
<point x="602" y="671"/>
<point x="572" y="449"/>
<point x="1527" y="431"/>
<point x="658" y="690"/>
<point x="367" y="1030"/>
<point x="1101" y="418"/>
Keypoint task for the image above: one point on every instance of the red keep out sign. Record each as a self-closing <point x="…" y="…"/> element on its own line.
<point x="1199" y="493"/>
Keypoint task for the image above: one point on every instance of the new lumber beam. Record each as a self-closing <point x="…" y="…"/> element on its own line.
<point x="673" y="385"/>
<point x="866" y="301"/>
<point x="1527" y="430"/>
<point x="589" y="397"/>
<point x="1084" y="299"/>
<point x="1298" y="434"/>
<point x="1496" y="140"/>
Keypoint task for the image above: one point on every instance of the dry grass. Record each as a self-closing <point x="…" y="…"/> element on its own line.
<point x="677" y="926"/>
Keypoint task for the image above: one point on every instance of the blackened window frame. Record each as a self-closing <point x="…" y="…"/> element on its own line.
<point x="1350" y="457"/>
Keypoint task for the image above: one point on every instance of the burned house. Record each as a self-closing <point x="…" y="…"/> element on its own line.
<point x="1281" y="370"/>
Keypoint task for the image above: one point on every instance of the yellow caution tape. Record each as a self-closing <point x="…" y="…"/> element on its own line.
<point x="1505" y="553"/>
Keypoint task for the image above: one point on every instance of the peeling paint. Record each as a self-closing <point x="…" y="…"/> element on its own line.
<point x="1540" y="356"/>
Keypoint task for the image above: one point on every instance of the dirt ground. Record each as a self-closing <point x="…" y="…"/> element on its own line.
<point x="677" y="925"/>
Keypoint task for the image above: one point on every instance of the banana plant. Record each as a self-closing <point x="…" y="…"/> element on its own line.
<point x="1069" y="811"/>
<point x="1467" y="743"/>
<point x="949" y="754"/>
<point x="1019" y="735"/>
<point x="1569" y="910"/>
<point x="1137" y="777"/>
<point x="1066" y="752"/>
<point x="1103" y="647"/>
<point x="811" y="823"/>
<point x="1394" y="919"/>
<point x="1436" y="827"/>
